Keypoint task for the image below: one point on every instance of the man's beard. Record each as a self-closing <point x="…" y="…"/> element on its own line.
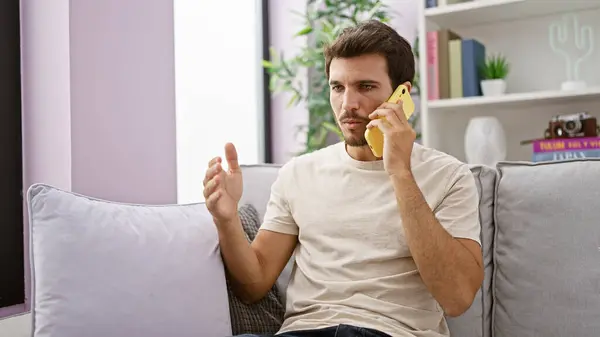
<point x="352" y="139"/>
<point x="355" y="141"/>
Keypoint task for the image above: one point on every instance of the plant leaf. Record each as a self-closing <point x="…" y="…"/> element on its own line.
<point x="304" y="31"/>
<point x="267" y="64"/>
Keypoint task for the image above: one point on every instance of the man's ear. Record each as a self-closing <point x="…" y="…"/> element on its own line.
<point x="408" y="85"/>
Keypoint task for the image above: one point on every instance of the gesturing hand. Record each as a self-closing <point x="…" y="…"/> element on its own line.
<point x="399" y="136"/>
<point x="223" y="189"/>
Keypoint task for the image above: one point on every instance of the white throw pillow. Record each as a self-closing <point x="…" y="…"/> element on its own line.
<point x="103" y="269"/>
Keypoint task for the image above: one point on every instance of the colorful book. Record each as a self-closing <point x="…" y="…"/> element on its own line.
<point x="438" y="63"/>
<point x="473" y="57"/>
<point x="455" y="59"/>
<point x="564" y="155"/>
<point x="566" y="144"/>
<point x="432" y="67"/>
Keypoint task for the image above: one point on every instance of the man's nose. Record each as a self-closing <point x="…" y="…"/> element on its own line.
<point x="350" y="101"/>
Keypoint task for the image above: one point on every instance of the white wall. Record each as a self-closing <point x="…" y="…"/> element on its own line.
<point x="218" y="80"/>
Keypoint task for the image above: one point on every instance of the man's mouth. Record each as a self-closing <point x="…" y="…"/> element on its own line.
<point x="352" y="121"/>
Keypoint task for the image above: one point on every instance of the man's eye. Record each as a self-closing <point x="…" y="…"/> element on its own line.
<point x="336" y="88"/>
<point x="367" y="86"/>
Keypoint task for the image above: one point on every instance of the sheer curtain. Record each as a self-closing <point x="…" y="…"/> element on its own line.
<point x="218" y="51"/>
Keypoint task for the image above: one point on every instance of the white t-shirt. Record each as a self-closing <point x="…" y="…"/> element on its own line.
<point x="352" y="262"/>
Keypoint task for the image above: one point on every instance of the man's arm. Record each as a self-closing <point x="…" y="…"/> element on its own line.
<point x="451" y="268"/>
<point x="254" y="267"/>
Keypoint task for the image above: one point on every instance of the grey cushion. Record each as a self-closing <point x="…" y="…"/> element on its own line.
<point x="109" y="269"/>
<point x="257" y="190"/>
<point x="476" y="322"/>
<point x="257" y="185"/>
<point x="265" y="316"/>
<point x="547" y="257"/>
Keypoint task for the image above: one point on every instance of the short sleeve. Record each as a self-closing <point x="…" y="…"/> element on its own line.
<point x="458" y="212"/>
<point x="278" y="215"/>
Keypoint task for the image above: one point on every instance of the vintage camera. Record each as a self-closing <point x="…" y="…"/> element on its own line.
<point x="572" y="126"/>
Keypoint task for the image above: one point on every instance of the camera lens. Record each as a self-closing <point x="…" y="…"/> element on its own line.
<point x="403" y="91"/>
<point x="558" y="131"/>
<point x="570" y="125"/>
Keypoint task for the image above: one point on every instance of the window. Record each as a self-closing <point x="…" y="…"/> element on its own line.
<point x="12" y="281"/>
<point x="220" y="92"/>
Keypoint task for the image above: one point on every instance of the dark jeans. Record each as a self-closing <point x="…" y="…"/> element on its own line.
<point x="342" y="330"/>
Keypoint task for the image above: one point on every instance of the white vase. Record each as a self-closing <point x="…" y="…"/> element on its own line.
<point x="572" y="85"/>
<point x="495" y="87"/>
<point x="485" y="141"/>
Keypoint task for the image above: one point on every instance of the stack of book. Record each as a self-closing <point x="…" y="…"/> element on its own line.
<point x="453" y="65"/>
<point x="565" y="148"/>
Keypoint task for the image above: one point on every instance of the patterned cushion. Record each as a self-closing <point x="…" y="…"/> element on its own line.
<point x="265" y="316"/>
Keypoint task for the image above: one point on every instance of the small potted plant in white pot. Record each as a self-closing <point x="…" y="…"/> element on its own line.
<point x="493" y="75"/>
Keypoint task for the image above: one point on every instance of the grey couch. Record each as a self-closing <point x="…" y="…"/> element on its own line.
<point x="541" y="245"/>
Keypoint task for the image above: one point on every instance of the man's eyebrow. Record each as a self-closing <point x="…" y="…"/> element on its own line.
<point x="363" y="82"/>
<point x="368" y="82"/>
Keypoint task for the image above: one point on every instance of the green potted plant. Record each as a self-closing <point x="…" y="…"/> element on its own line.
<point x="324" y="20"/>
<point x="493" y="74"/>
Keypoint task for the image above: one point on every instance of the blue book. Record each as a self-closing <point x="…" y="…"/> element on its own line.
<point x="564" y="155"/>
<point x="473" y="57"/>
<point x="430" y="3"/>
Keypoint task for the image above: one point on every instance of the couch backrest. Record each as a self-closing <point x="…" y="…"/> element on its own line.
<point x="476" y="322"/>
<point x="547" y="249"/>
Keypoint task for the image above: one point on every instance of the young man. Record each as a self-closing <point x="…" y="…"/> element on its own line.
<point x="383" y="246"/>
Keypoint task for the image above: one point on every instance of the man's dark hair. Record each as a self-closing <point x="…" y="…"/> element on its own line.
<point x="375" y="37"/>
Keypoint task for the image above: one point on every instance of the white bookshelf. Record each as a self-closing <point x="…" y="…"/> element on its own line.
<point x="519" y="30"/>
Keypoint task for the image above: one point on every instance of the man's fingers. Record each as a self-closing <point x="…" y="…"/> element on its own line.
<point x="213" y="198"/>
<point x="214" y="161"/>
<point x="212" y="171"/>
<point x="212" y="185"/>
<point x="381" y="124"/>
<point x="232" y="157"/>
<point x="386" y="114"/>
<point x="397" y="109"/>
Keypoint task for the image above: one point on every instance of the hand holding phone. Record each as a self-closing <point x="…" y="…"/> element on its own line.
<point x="374" y="136"/>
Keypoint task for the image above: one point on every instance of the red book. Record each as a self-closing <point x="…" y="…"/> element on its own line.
<point x="566" y="144"/>
<point x="432" y="66"/>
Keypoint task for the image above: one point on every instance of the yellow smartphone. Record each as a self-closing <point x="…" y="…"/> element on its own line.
<point x="374" y="136"/>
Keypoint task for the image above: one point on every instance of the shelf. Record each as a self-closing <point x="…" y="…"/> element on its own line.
<point x="478" y="12"/>
<point x="520" y="100"/>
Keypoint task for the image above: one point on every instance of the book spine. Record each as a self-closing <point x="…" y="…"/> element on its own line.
<point x="565" y="155"/>
<point x="473" y="56"/>
<point x="455" y="58"/>
<point x="566" y="144"/>
<point x="432" y="66"/>
<point x="443" y="58"/>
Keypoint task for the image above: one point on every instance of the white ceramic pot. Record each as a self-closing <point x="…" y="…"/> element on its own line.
<point x="573" y="85"/>
<point x="495" y="87"/>
<point x="485" y="141"/>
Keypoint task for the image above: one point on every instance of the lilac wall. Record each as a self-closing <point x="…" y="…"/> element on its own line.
<point x="283" y="25"/>
<point x="123" y="100"/>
